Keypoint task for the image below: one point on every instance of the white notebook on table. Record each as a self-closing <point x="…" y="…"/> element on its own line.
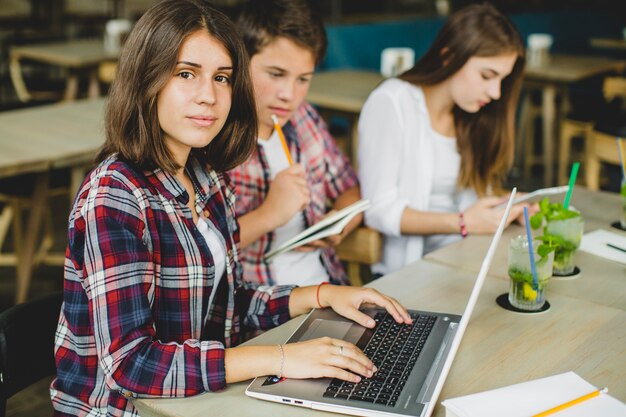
<point x="530" y="398"/>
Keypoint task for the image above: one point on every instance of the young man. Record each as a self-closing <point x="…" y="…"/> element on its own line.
<point x="277" y="199"/>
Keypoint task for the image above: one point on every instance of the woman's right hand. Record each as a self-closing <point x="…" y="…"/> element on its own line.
<point x="326" y="358"/>
<point x="288" y="194"/>
<point x="483" y="217"/>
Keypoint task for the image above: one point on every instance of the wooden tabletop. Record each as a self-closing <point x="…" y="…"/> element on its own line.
<point x="571" y="68"/>
<point x="51" y="136"/>
<point x="343" y="90"/>
<point x="608" y="43"/>
<point x="74" y="54"/>
<point x="581" y="333"/>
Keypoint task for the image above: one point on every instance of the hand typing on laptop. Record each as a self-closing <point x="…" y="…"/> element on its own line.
<point x="331" y="357"/>
<point x="317" y="357"/>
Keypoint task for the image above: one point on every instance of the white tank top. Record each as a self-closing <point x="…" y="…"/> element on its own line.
<point x="290" y="268"/>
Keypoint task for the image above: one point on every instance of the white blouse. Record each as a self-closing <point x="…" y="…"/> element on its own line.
<point x="397" y="167"/>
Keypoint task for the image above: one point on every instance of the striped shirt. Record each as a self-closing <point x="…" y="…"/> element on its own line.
<point x="329" y="174"/>
<point x="136" y="320"/>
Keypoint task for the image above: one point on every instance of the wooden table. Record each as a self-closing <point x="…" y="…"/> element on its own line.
<point x="344" y="91"/>
<point x="38" y="140"/>
<point x="551" y="78"/>
<point x="75" y="56"/>
<point x="584" y="331"/>
<point x="608" y="43"/>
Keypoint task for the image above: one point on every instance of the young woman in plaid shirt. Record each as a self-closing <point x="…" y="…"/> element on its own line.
<point x="276" y="200"/>
<point x="153" y="299"/>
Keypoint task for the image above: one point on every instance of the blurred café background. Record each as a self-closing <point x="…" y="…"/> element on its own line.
<point x="58" y="58"/>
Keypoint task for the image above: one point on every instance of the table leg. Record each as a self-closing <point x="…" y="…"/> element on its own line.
<point x="548" y="103"/>
<point x="77" y="176"/>
<point x="94" y="84"/>
<point x="71" y="88"/>
<point x="26" y="253"/>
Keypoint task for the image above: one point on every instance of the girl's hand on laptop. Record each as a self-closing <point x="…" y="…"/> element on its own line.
<point x="346" y="301"/>
<point x="326" y="358"/>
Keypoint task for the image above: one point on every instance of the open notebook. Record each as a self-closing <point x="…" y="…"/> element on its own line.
<point x="328" y="226"/>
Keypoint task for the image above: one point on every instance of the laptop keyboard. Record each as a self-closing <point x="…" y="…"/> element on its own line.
<point x="394" y="349"/>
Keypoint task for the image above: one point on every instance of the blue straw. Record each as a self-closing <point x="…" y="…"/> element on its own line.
<point x="621" y="157"/>
<point x="531" y="252"/>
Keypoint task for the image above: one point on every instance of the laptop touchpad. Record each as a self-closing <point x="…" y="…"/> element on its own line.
<point x="330" y="328"/>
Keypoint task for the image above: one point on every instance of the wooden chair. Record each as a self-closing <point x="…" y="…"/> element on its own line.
<point x="27" y="344"/>
<point x="361" y="247"/>
<point x="106" y="72"/>
<point x="603" y="147"/>
<point x="571" y="126"/>
<point x="12" y="207"/>
<point x="525" y="135"/>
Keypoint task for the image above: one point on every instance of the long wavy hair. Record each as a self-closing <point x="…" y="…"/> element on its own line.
<point x="485" y="139"/>
<point x="147" y="62"/>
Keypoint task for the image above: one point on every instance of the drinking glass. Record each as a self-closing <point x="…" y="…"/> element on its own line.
<point x="571" y="231"/>
<point x="522" y="293"/>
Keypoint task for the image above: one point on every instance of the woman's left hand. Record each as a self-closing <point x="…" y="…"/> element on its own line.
<point x="346" y="301"/>
<point x="532" y="209"/>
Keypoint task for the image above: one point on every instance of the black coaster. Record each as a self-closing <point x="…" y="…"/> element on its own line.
<point x="574" y="274"/>
<point x="503" y="301"/>
<point x="618" y="225"/>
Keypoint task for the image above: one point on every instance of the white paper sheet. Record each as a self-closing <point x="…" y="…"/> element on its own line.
<point x="597" y="243"/>
<point x="532" y="397"/>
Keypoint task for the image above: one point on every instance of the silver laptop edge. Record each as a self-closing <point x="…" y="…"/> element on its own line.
<point x="470" y="306"/>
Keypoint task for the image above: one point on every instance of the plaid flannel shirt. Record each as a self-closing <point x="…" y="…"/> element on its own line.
<point x="329" y="174"/>
<point x="135" y="321"/>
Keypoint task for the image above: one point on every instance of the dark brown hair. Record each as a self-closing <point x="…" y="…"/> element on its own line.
<point x="485" y="139"/>
<point x="146" y="64"/>
<point x="262" y="21"/>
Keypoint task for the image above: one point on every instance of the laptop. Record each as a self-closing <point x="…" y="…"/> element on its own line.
<point x="413" y="361"/>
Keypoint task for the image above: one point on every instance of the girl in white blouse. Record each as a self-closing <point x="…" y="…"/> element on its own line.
<point x="436" y="143"/>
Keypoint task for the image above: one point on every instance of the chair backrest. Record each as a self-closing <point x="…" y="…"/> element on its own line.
<point x="602" y="147"/>
<point x="361" y="247"/>
<point x="27" y="344"/>
<point x="614" y="87"/>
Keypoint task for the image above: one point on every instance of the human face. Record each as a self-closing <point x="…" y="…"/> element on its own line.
<point x="281" y="74"/>
<point x="478" y="82"/>
<point x="194" y="104"/>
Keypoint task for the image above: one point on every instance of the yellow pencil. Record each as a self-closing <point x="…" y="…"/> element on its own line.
<point x="282" y="139"/>
<point x="573" y="402"/>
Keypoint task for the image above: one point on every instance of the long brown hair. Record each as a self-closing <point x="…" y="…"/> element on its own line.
<point x="147" y="62"/>
<point x="485" y="139"/>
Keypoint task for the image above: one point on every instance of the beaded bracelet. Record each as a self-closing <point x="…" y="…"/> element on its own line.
<point x="282" y="361"/>
<point x="462" y="225"/>
<point x="317" y="297"/>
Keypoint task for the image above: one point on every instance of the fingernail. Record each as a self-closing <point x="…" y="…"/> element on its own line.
<point x="357" y="379"/>
<point x="374" y="368"/>
<point x="370" y="322"/>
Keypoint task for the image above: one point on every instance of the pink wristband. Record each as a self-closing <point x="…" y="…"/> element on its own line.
<point x="463" y="229"/>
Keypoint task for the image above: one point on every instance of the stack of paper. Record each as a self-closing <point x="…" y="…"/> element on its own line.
<point x="533" y="397"/>
<point x="608" y="245"/>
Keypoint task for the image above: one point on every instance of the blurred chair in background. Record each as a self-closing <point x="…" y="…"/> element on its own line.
<point x="27" y="344"/>
<point x="602" y="146"/>
<point x="362" y="247"/>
